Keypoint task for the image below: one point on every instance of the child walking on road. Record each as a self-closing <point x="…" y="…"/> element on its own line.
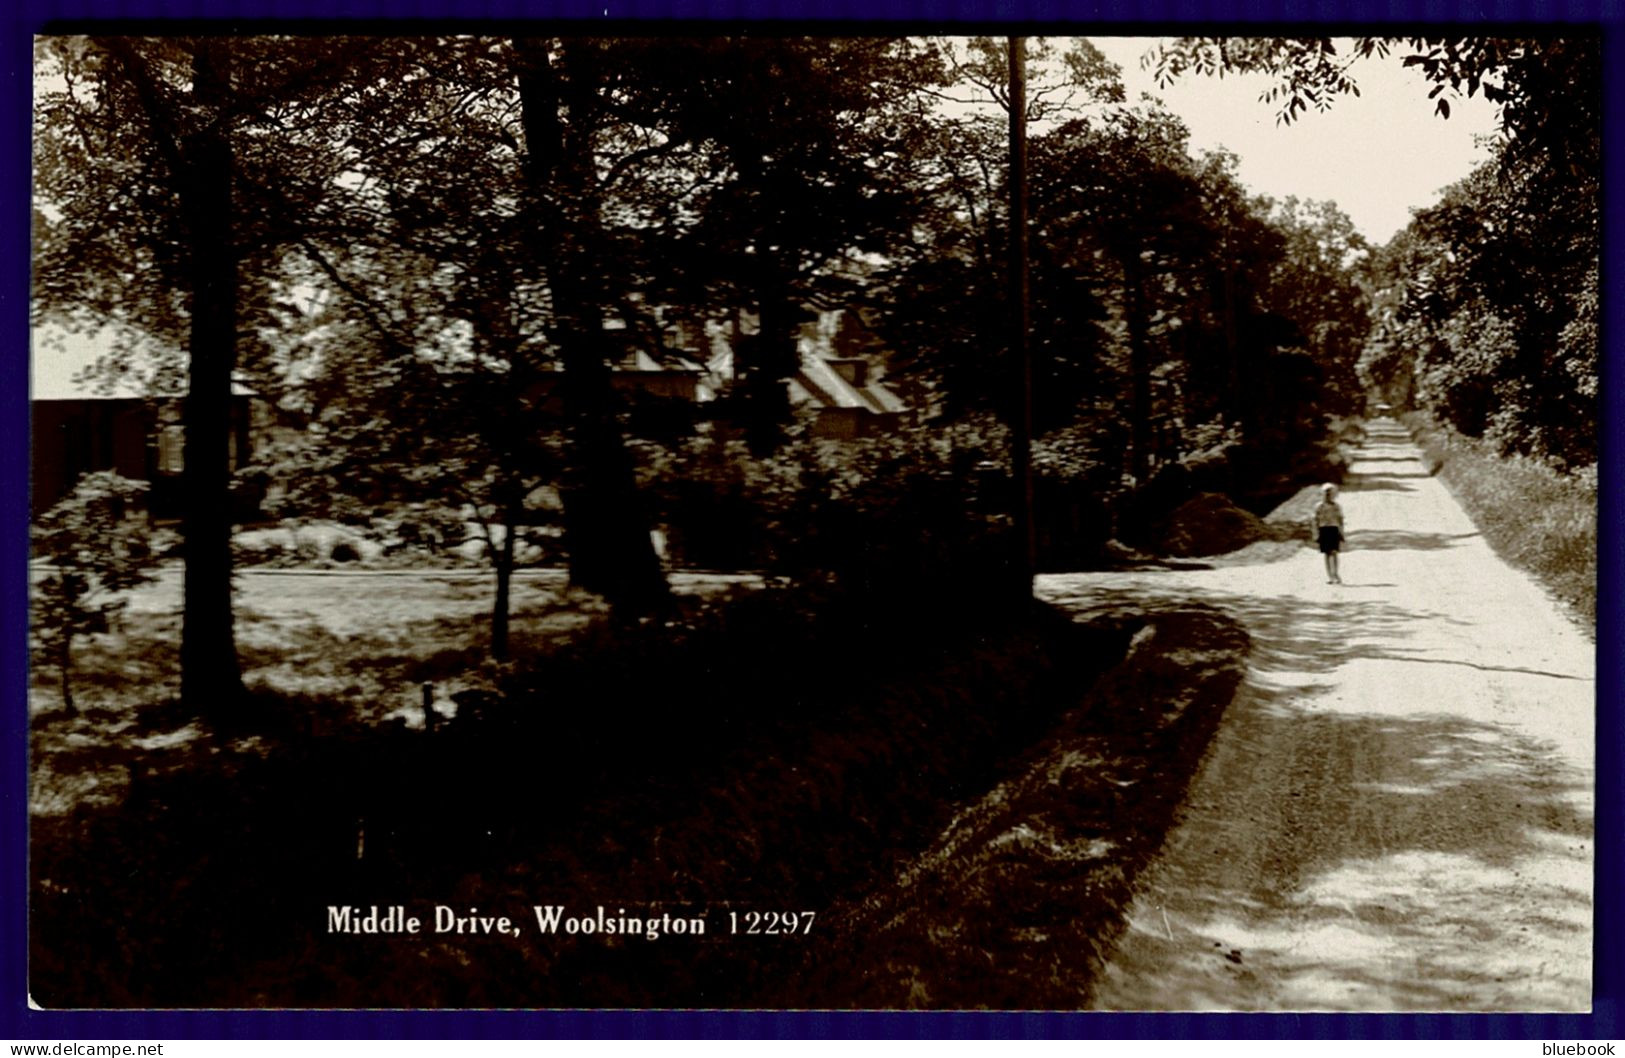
<point x="1329" y="530"/>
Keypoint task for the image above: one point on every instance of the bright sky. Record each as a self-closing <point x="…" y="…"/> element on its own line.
<point x="1377" y="155"/>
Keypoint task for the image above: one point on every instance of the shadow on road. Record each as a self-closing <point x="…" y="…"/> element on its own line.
<point x="1396" y="474"/>
<point x="1288" y="633"/>
<point x="1409" y="887"/>
<point x="1378" y="483"/>
<point x="1403" y="540"/>
<point x="1401" y="656"/>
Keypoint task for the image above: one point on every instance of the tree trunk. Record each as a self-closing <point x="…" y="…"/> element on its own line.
<point x="606" y="528"/>
<point x="769" y="359"/>
<point x="504" y="564"/>
<point x="1021" y="426"/>
<point x="1233" y="352"/>
<point x="774" y="357"/>
<point x="210" y="678"/>
<point x="64" y="663"/>
<point x="1139" y="371"/>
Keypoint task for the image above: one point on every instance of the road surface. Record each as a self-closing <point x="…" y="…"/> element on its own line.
<point x="1397" y="811"/>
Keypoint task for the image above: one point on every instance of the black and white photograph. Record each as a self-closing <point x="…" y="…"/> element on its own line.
<point x="553" y="517"/>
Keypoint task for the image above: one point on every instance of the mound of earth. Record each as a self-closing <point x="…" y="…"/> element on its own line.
<point x="1210" y="524"/>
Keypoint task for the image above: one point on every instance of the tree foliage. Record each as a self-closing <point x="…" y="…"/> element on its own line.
<point x="1316" y="284"/>
<point x="1485" y="313"/>
<point x="93" y="543"/>
<point x="171" y="172"/>
<point x="803" y="170"/>
<point x="1484" y="310"/>
<point x="437" y="249"/>
<point x="1170" y="307"/>
<point x="1522" y="76"/>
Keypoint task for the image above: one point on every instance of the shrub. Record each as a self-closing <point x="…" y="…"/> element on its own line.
<point x="97" y="550"/>
<point x="921" y="509"/>
<point x="1076" y="481"/>
<point x="929" y="508"/>
<point x="924" y="511"/>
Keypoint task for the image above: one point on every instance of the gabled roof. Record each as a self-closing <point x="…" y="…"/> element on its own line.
<point x="821" y="382"/>
<point x="818" y="381"/>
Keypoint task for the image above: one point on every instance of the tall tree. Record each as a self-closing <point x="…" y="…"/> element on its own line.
<point x="1484" y="312"/>
<point x="565" y="90"/>
<point x="945" y="290"/>
<point x="473" y="237"/>
<point x="1316" y="285"/>
<point x="807" y="172"/>
<point x="435" y="371"/>
<point x="1126" y="188"/>
<point x="1222" y="319"/>
<point x="1498" y="352"/>
<point x="165" y="166"/>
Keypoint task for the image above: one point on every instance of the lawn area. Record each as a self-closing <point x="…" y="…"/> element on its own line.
<point x="369" y="635"/>
<point x="369" y="641"/>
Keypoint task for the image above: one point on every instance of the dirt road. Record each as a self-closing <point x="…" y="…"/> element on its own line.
<point x="1397" y="812"/>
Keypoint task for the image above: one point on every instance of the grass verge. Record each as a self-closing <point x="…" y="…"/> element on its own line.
<point x="1539" y="520"/>
<point x="1017" y="903"/>
<point x="768" y="758"/>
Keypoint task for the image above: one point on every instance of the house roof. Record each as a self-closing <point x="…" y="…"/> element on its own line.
<point x="818" y="382"/>
<point x="62" y="360"/>
<point x="823" y="383"/>
<point x="639" y="360"/>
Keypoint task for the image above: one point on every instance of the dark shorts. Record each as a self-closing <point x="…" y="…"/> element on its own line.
<point x="1331" y="538"/>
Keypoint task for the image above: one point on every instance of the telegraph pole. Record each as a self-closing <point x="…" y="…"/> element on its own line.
<point x="1021" y="443"/>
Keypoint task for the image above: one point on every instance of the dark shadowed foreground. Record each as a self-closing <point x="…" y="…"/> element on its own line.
<point x="765" y="760"/>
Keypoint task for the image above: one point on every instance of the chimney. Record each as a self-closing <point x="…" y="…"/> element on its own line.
<point x="854" y="369"/>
